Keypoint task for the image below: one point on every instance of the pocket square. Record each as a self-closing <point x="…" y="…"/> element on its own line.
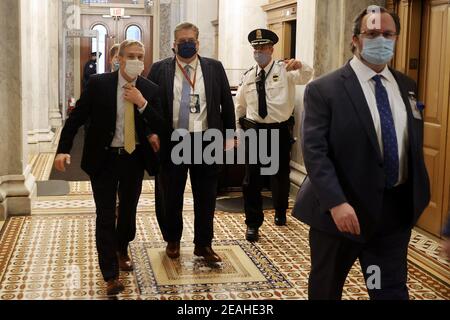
<point x="420" y="105"/>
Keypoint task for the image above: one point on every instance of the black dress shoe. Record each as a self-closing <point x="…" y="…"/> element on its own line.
<point x="207" y="253"/>
<point x="173" y="249"/>
<point x="252" y="234"/>
<point x="280" y="219"/>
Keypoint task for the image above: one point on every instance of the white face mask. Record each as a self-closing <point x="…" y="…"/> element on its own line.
<point x="134" y="68"/>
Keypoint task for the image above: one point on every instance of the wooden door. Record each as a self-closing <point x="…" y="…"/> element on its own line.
<point x="116" y="33"/>
<point x="423" y="52"/>
<point x="434" y="91"/>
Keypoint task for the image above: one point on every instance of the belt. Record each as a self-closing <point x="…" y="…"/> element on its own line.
<point x="251" y="124"/>
<point x="118" y="150"/>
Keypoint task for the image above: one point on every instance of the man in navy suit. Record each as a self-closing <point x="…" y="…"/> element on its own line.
<point x="195" y="97"/>
<point x="122" y="141"/>
<point x="367" y="183"/>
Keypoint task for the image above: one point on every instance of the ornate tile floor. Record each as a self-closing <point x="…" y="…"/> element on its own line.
<point x="52" y="255"/>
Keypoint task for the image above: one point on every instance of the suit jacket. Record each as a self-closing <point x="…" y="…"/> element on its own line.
<point x="343" y="158"/>
<point x="219" y="102"/>
<point x="98" y="104"/>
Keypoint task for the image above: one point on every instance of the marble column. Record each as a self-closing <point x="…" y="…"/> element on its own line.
<point x="40" y="135"/>
<point x="236" y="19"/>
<point x="324" y="33"/>
<point x="53" y="77"/>
<point x="16" y="182"/>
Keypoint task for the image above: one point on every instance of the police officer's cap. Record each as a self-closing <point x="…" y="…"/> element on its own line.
<point x="95" y="53"/>
<point x="262" y="36"/>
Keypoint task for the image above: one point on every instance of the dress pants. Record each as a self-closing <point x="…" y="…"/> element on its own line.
<point x="170" y="187"/>
<point x="333" y="256"/>
<point x="280" y="182"/>
<point x="121" y="176"/>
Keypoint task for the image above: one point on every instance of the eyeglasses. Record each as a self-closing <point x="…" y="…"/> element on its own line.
<point x="372" y="34"/>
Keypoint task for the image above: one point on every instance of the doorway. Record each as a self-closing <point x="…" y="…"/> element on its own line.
<point x="423" y="53"/>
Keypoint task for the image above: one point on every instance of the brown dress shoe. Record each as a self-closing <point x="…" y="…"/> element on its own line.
<point x="207" y="253"/>
<point x="173" y="249"/>
<point x="113" y="287"/>
<point x="125" y="263"/>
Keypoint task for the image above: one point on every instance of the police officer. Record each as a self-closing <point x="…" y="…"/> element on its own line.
<point x="265" y="100"/>
<point x="90" y="68"/>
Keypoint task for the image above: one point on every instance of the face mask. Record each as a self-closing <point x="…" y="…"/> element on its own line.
<point x="378" y="51"/>
<point x="187" y="49"/>
<point x="133" y="68"/>
<point x="116" y="66"/>
<point x="262" y="58"/>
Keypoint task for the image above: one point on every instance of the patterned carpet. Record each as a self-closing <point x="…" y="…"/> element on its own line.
<point x="52" y="255"/>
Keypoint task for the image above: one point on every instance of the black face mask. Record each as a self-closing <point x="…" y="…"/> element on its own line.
<point x="187" y="49"/>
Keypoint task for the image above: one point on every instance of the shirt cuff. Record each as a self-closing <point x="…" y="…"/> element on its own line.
<point x="141" y="110"/>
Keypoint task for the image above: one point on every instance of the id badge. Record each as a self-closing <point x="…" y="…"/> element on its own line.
<point x="195" y="103"/>
<point x="415" y="110"/>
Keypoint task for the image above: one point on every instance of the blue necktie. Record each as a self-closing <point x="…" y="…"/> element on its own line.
<point x="389" y="136"/>
<point x="183" y="118"/>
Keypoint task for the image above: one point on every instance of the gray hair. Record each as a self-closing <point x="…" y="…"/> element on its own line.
<point x="184" y="26"/>
<point x="128" y="43"/>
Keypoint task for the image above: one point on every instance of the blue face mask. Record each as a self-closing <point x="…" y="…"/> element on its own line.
<point x="187" y="49"/>
<point x="378" y="51"/>
<point x="262" y="58"/>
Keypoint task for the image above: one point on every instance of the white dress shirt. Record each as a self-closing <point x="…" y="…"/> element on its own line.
<point x="398" y="108"/>
<point x="118" y="140"/>
<point x="197" y="121"/>
<point x="280" y="92"/>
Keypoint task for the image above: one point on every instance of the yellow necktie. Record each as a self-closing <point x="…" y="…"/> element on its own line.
<point x="129" y="128"/>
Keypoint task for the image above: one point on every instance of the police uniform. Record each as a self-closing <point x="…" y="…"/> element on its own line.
<point x="279" y="93"/>
<point x="90" y="68"/>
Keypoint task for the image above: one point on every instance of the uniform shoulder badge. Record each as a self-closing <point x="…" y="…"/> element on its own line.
<point x="245" y="73"/>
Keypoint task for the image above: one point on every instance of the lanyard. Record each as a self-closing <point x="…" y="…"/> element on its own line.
<point x="267" y="75"/>
<point x="186" y="76"/>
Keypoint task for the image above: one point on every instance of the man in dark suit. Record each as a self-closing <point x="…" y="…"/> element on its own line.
<point x="120" y="143"/>
<point x="196" y="97"/>
<point x="367" y="185"/>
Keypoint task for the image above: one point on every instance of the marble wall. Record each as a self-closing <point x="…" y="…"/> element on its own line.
<point x="334" y="31"/>
<point x="168" y="15"/>
<point x="236" y="19"/>
<point x="199" y="12"/>
<point x="69" y="19"/>
<point x="202" y="13"/>
<point x="324" y="33"/>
